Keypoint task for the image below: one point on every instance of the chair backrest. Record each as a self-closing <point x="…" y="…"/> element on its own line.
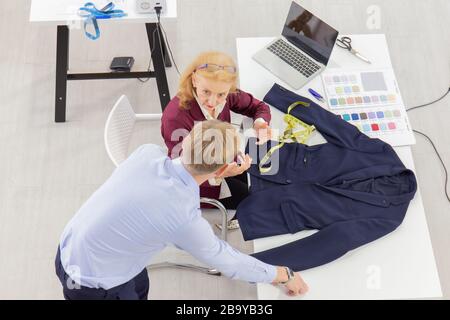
<point x="118" y="130"/>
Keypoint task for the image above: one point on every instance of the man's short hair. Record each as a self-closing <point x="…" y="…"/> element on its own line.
<point x="209" y="146"/>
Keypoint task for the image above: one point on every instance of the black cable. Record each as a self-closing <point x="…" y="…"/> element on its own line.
<point x="150" y="62"/>
<point x="427" y="104"/>
<point x="158" y="13"/>
<point x="432" y="144"/>
<point x="158" y="16"/>
<point x="170" y="50"/>
<point x="440" y="159"/>
<point x="165" y="39"/>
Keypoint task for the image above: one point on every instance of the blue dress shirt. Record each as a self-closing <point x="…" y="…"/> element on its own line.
<point x="149" y="201"/>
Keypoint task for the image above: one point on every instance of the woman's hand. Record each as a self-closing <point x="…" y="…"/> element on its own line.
<point x="263" y="132"/>
<point x="235" y="169"/>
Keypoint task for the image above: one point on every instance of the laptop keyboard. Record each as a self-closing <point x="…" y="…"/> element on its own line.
<point x="294" y="58"/>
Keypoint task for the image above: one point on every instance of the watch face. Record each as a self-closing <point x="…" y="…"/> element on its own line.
<point x="290" y="273"/>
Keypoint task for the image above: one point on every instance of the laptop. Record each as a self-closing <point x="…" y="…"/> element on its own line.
<point x="303" y="50"/>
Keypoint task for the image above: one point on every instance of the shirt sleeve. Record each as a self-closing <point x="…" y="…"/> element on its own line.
<point x="259" y="120"/>
<point x="244" y="103"/>
<point x="197" y="238"/>
<point x="328" y="244"/>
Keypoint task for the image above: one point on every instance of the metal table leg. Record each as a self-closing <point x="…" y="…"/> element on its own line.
<point x="158" y="63"/>
<point x="62" y="65"/>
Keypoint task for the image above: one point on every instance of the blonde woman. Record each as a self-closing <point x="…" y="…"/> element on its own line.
<point x="208" y="90"/>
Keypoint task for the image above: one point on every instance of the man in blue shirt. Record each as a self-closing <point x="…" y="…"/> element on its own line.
<point x="148" y="202"/>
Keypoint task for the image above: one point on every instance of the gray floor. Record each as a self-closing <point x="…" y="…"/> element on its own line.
<point x="48" y="170"/>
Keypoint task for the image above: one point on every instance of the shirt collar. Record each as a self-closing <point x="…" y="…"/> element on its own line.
<point x="205" y="112"/>
<point x="184" y="175"/>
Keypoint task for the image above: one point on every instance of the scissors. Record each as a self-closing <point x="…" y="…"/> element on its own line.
<point x="346" y="43"/>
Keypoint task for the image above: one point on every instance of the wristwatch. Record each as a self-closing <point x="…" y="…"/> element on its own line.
<point x="290" y="274"/>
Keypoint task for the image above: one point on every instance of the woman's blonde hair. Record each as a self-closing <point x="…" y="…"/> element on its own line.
<point x="210" y="145"/>
<point x="186" y="88"/>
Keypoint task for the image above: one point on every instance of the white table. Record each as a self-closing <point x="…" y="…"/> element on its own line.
<point x="63" y="14"/>
<point x="400" y="265"/>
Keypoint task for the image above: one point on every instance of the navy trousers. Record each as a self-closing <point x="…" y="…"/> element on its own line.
<point x="135" y="289"/>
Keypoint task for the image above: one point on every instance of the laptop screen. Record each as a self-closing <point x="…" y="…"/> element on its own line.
<point x="309" y="33"/>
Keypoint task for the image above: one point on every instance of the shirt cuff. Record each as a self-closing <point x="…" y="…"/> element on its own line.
<point x="273" y="273"/>
<point x="259" y="120"/>
<point x="269" y="272"/>
<point x="215" y="181"/>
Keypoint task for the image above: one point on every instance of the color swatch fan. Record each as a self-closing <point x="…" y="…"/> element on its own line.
<point x="371" y="101"/>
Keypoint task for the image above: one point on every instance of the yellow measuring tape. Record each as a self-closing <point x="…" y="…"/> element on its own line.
<point x="289" y="135"/>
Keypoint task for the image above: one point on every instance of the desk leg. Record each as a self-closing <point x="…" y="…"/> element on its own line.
<point x="158" y="64"/>
<point x="62" y="64"/>
<point x="165" y="52"/>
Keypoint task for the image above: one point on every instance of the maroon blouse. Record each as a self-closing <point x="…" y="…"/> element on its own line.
<point x="176" y="118"/>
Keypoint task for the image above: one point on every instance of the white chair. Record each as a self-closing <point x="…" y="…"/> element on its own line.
<point x="119" y="129"/>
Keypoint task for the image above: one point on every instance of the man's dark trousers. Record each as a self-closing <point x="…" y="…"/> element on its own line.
<point x="135" y="289"/>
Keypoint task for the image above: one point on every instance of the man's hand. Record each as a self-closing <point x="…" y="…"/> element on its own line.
<point x="296" y="286"/>
<point x="234" y="169"/>
<point x="263" y="131"/>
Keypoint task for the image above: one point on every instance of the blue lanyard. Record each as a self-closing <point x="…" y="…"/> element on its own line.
<point x="91" y="14"/>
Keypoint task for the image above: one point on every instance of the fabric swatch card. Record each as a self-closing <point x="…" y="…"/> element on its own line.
<point x="371" y="101"/>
